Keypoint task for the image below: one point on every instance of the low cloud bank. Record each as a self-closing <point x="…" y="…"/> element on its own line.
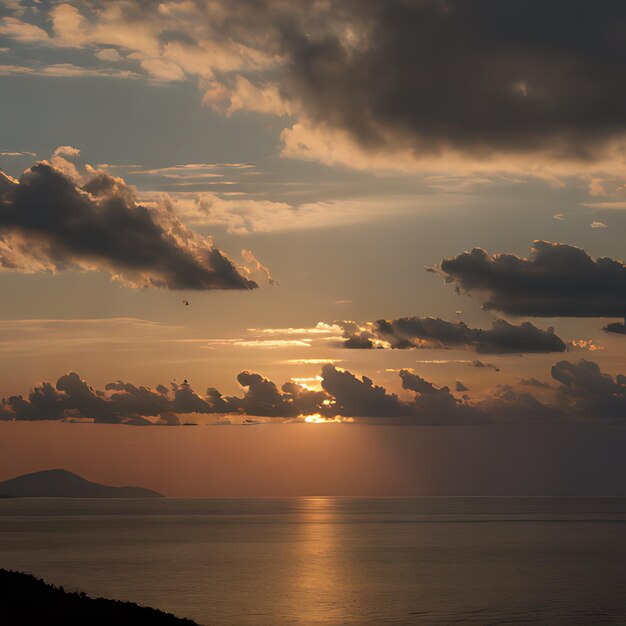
<point x="584" y="392"/>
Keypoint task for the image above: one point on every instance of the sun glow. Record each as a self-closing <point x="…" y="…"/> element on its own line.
<point x="316" y="418"/>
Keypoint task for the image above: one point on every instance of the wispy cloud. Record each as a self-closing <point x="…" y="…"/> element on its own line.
<point x="259" y="343"/>
<point x="17" y="153"/>
<point x="66" y="70"/>
<point x="37" y="337"/>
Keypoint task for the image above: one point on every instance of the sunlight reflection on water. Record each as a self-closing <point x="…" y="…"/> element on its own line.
<point x="257" y="562"/>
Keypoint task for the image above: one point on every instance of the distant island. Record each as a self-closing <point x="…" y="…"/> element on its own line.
<point x="25" y="599"/>
<point x="59" y="483"/>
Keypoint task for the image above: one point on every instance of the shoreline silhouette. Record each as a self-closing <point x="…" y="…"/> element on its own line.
<point x="25" y="599"/>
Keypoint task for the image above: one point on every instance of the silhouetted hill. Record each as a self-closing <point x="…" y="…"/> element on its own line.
<point x="26" y="600"/>
<point x="60" y="483"/>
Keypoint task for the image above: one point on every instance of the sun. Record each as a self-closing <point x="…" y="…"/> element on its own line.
<point x="316" y="418"/>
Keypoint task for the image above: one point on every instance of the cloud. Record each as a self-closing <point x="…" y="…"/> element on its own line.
<point x="357" y="336"/>
<point x="52" y="221"/>
<point x="263" y="398"/>
<point x="69" y="25"/>
<point x="590" y="392"/>
<point x="475" y="363"/>
<point x="342" y="395"/>
<point x="131" y="400"/>
<point x="313" y="361"/>
<point x="22" y="32"/>
<point x="241" y="215"/>
<point x="186" y="400"/>
<point x="429" y="332"/>
<point x="66" y="70"/>
<point x="37" y="338"/>
<point x="405" y="333"/>
<point x="166" y="42"/>
<point x="66" y="151"/>
<point x="533" y="382"/>
<point x="558" y="280"/>
<point x="511" y="405"/>
<point x="120" y="403"/>
<point x="160" y="69"/>
<point x="321" y="334"/>
<point x="457" y="84"/>
<point x="436" y="405"/>
<point x="616" y="327"/>
<point x="319" y="329"/>
<point x="259" y="343"/>
<point x="361" y="398"/>
<point x="109" y="54"/>
<point x="17" y="153"/>
<point x="245" y="96"/>
<point x="584" y="392"/>
<point x="8" y="70"/>
<point x="478" y="363"/>
<point x="254" y="269"/>
<point x="459" y="93"/>
<point x="124" y="403"/>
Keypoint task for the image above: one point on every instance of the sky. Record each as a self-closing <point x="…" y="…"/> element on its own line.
<point x="379" y="244"/>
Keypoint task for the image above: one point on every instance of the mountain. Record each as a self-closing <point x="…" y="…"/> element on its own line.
<point x="60" y="483"/>
<point x="25" y="599"/>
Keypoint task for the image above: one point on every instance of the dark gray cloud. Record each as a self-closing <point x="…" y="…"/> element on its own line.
<point x="355" y="396"/>
<point x="481" y="77"/>
<point x="584" y="392"/>
<point x="125" y="403"/>
<point x="616" y="327"/>
<point x="477" y="363"/>
<point x="50" y="222"/>
<point x="590" y="392"/>
<point x="263" y="398"/>
<point x="558" y="280"/>
<point x="186" y="400"/>
<point x="436" y="405"/>
<point x="43" y="403"/>
<point x="306" y="401"/>
<point x="85" y="401"/>
<point x="533" y="382"/>
<point x="420" y="332"/>
<point x="352" y="396"/>
<point x="509" y="404"/>
<point x="120" y="403"/>
<point x="356" y="337"/>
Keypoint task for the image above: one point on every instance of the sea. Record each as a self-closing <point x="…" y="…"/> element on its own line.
<point x="326" y="560"/>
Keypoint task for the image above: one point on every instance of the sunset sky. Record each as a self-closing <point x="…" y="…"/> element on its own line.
<point x="406" y="218"/>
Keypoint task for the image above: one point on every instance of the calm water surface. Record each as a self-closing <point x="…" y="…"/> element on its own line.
<point x="334" y="560"/>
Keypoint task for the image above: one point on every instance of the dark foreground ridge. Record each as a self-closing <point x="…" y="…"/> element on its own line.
<point x="25" y="599"/>
<point x="59" y="483"/>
